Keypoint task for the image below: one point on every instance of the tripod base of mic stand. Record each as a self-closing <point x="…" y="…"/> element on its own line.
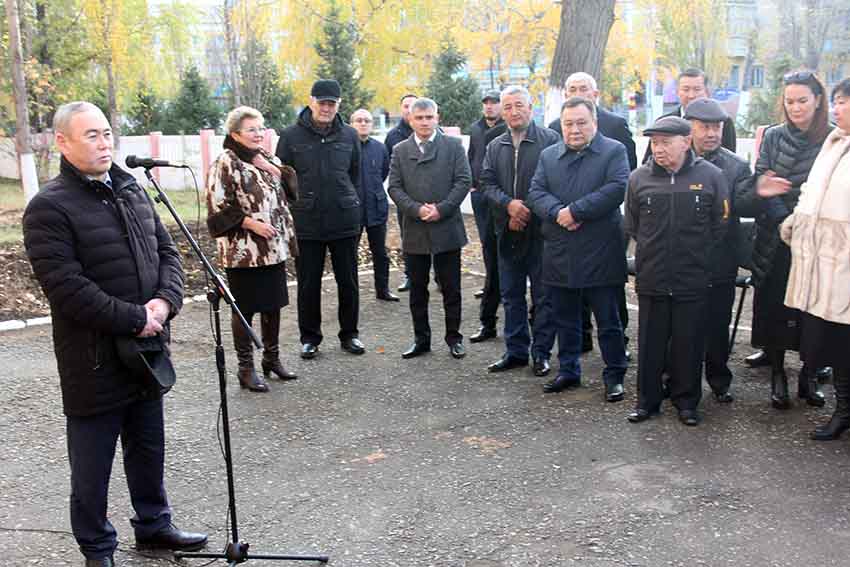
<point x="236" y="553"/>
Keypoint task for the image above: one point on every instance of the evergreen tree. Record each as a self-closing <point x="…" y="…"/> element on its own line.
<point x="147" y="114"/>
<point x="456" y="94"/>
<point x="262" y="88"/>
<point x="339" y="61"/>
<point x="194" y="108"/>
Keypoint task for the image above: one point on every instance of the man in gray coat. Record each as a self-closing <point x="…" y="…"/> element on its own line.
<point x="429" y="178"/>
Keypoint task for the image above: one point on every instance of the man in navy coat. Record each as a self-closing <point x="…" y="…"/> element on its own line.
<point x="374" y="168"/>
<point x="577" y="191"/>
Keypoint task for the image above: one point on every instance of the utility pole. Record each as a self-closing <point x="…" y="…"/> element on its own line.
<point x="26" y="158"/>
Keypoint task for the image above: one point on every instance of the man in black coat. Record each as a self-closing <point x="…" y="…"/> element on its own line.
<point x="611" y="126"/>
<point x="577" y="191"/>
<point x="509" y="165"/>
<point x="707" y="119"/>
<point x="487" y="128"/>
<point x="429" y="179"/>
<point x="399" y="133"/>
<point x="692" y="85"/>
<point x="677" y="207"/>
<point x="325" y="153"/>
<point x="111" y="273"/>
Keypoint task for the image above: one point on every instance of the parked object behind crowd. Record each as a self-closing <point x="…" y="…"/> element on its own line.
<point x="247" y="197"/>
<point x="818" y="233"/>
<point x="786" y="155"/>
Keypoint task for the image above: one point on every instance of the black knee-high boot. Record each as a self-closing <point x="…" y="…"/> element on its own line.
<point x="840" y="421"/>
<point x="270" y="328"/>
<point x="248" y="377"/>
<point x="808" y="387"/>
<point x="779" y="380"/>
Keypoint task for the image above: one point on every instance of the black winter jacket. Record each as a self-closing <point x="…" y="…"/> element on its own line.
<point x="480" y="136"/>
<point x="397" y="134"/>
<point x="99" y="254"/>
<point x="506" y="175"/>
<point x="787" y="151"/>
<point x="724" y="260"/>
<point x="328" y="168"/>
<point x="676" y="221"/>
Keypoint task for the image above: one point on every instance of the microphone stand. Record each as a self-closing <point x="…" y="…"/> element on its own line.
<point x="236" y="551"/>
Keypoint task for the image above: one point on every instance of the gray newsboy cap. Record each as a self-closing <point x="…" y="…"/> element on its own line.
<point x="705" y="110"/>
<point x="491" y="94"/>
<point x="669" y="126"/>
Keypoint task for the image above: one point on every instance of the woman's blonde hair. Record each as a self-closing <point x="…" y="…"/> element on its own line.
<point x="237" y="115"/>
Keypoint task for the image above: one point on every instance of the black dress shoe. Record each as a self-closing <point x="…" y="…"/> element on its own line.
<point x="173" y="539"/>
<point x="824" y="374"/>
<point x="416" y="350"/>
<point x="723" y="397"/>
<point x="457" y="350"/>
<point x="385" y="295"/>
<point x="561" y="383"/>
<point x="689" y="417"/>
<point x="309" y="350"/>
<point x="614" y="392"/>
<point x="483" y="334"/>
<point x="628" y="355"/>
<point x="757" y="359"/>
<point x="102" y="562"/>
<point x="352" y="345"/>
<point x="507" y="362"/>
<point x="405" y="285"/>
<point x="640" y="414"/>
<point x="479" y="294"/>
<point x="541" y="367"/>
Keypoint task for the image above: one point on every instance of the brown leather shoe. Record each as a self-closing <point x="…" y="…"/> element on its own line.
<point x="278" y="369"/>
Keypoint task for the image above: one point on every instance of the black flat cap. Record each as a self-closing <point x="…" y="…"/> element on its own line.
<point x="669" y="126"/>
<point x="325" y="89"/>
<point x="491" y="94"/>
<point x="705" y="110"/>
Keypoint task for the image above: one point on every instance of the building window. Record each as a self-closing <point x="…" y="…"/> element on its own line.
<point x="734" y="77"/>
<point x="758" y="77"/>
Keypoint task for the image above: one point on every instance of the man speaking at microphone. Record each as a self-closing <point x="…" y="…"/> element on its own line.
<point x="113" y="278"/>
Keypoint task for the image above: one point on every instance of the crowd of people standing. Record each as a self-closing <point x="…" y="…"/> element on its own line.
<point x="555" y="209"/>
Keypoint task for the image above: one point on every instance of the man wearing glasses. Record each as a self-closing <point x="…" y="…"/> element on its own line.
<point x="374" y="167"/>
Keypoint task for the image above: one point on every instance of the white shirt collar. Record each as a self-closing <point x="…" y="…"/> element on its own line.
<point x="419" y="142"/>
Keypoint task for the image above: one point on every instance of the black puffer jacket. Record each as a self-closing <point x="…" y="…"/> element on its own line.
<point x="328" y="168"/>
<point x="787" y="151"/>
<point x="724" y="259"/>
<point x="99" y="254"/>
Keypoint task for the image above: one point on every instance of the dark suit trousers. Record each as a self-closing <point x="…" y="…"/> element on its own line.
<point x="489" y="250"/>
<point x="377" y="236"/>
<point x="447" y="266"/>
<point x="91" y="450"/>
<point x="663" y="319"/>
<point x="310" y="264"/>
<point x="718" y="315"/>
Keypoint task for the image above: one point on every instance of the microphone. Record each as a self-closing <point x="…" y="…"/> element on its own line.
<point x="148" y="163"/>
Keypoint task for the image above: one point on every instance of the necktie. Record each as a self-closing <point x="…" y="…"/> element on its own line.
<point x="424" y="146"/>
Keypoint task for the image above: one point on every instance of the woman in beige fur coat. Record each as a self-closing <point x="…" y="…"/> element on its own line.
<point x="818" y="233"/>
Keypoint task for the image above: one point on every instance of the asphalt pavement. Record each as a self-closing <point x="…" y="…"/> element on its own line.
<point x="381" y="462"/>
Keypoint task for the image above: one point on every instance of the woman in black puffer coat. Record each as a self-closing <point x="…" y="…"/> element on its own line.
<point x="787" y="153"/>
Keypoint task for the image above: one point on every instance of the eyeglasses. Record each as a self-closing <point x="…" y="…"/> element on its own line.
<point x="798" y="77"/>
<point x="254" y="131"/>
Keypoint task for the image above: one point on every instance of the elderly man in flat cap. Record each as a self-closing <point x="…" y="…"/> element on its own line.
<point x="677" y="208"/>
<point x="707" y="120"/>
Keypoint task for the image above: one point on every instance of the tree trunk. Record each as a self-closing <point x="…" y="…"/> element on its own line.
<point x="26" y="159"/>
<point x="232" y="45"/>
<point x="109" y="15"/>
<point x="582" y="38"/>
